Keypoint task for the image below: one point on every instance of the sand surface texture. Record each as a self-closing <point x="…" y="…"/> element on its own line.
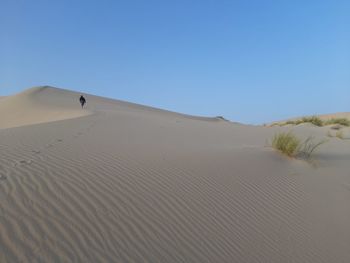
<point x="120" y="182"/>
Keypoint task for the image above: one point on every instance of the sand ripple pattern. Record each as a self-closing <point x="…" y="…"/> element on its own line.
<point x="93" y="190"/>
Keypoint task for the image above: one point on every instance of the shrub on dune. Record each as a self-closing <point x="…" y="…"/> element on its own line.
<point x="286" y="143"/>
<point x="318" y="122"/>
<point x="314" y="120"/>
<point x="290" y="145"/>
<point x="308" y="147"/>
<point x="340" y="121"/>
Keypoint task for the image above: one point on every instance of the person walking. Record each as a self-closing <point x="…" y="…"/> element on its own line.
<point x="82" y="101"/>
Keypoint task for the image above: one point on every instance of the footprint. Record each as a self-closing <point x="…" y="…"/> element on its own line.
<point x="36" y="151"/>
<point x="59" y="140"/>
<point x="2" y="177"/>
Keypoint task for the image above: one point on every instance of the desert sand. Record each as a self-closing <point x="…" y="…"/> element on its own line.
<point x="121" y="182"/>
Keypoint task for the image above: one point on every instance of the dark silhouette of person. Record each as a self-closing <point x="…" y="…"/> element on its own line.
<point x="82" y="101"/>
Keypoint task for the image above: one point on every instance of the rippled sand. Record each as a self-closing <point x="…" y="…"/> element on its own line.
<point x="120" y="182"/>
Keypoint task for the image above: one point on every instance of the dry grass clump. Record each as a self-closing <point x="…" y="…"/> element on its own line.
<point x="340" y="121"/>
<point x="286" y="143"/>
<point x="314" y="120"/>
<point x="318" y="122"/>
<point x="292" y="146"/>
<point x="308" y="146"/>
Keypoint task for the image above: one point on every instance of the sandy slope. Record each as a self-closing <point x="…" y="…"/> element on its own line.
<point x="39" y="105"/>
<point x="128" y="183"/>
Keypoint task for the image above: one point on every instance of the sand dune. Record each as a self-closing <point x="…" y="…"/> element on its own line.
<point x="39" y="105"/>
<point x="120" y="182"/>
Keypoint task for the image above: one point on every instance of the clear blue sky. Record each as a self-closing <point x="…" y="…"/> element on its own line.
<point x="251" y="61"/>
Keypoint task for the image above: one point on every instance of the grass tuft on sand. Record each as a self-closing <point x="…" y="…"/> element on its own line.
<point x="290" y="145"/>
<point x="313" y="120"/>
<point x="318" y="122"/>
<point x="286" y="142"/>
<point x="340" y="121"/>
